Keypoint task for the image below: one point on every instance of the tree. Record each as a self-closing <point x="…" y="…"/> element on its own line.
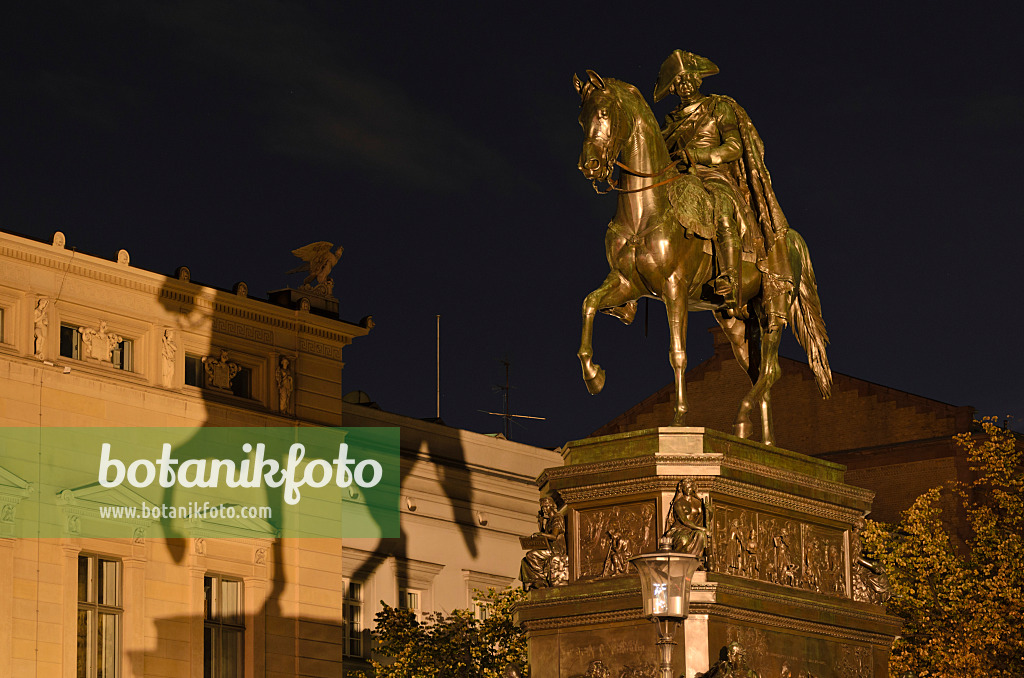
<point x="456" y="645"/>
<point x="963" y="605"/>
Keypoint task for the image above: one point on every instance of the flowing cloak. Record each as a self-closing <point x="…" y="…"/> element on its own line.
<point x="750" y="176"/>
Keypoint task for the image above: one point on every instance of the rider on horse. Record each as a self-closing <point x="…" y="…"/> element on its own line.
<point x="715" y="137"/>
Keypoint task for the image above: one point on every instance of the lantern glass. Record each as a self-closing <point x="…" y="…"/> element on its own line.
<point x="665" y="582"/>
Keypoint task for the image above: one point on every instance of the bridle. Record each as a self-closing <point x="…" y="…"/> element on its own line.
<point x="613" y="185"/>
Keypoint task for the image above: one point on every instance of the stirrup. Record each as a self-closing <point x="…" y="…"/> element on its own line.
<point x="727" y="284"/>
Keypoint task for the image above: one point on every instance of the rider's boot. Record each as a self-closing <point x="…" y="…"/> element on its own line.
<point x="727" y="283"/>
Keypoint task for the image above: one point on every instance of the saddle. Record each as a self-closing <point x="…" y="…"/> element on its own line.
<point x="694" y="209"/>
<point x="692" y="206"/>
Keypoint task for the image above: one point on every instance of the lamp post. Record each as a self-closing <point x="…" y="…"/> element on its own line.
<point x="665" y="584"/>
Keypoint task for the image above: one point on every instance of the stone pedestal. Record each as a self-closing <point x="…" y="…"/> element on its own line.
<point x="318" y="301"/>
<point x="779" y="574"/>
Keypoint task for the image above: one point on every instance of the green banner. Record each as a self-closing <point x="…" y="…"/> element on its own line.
<point x="136" y="482"/>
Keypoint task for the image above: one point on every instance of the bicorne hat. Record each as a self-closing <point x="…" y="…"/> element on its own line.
<point x="678" y="63"/>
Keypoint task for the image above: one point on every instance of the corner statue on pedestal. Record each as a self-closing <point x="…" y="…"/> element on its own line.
<point x="698" y="227"/>
<point x="686" y="523"/>
<point x="734" y="665"/>
<point x="546" y="563"/>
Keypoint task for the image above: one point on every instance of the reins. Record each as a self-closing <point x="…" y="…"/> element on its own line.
<point x="613" y="186"/>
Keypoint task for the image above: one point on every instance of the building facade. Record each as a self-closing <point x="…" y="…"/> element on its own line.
<point x="86" y="342"/>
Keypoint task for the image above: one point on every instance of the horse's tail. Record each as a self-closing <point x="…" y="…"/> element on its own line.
<point x="805" y="315"/>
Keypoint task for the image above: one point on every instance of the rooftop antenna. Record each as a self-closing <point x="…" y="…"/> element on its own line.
<point x="438" y="367"/>
<point x="507" y="414"/>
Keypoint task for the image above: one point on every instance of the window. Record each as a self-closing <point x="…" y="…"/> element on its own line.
<point x="353" y="614"/>
<point x="193" y="370"/>
<point x="224" y="628"/>
<point x="482" y="609"/>
<point x="99" y="345"/>
<point x="410" y="600"/>
<point x="121" y="356"/>
<point x="70" y="342"/>
<point x="99" y="617"/>
<point x="241" y="385"/>
<point x="195" y="375"/>
<point x="1" y="325"/>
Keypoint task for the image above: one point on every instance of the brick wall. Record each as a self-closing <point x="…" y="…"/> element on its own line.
<point x="895" y="443"/>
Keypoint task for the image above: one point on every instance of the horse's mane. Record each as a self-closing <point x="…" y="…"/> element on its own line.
<point x="638" y="102"/>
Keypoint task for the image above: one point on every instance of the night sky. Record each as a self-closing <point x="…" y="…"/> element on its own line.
<point x="438" y="145"/>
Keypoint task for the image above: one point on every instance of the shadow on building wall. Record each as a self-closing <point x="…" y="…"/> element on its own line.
<point x="283" y="636"/>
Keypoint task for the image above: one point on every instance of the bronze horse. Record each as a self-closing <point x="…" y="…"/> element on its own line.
<point x="652" y="255"/>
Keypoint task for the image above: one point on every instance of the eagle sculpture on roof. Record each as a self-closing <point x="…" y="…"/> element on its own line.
<point x="318" y="260"/>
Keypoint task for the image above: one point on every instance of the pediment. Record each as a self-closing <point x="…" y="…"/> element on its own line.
<point x="94" y="495"/>
<point x="212" y="522"/>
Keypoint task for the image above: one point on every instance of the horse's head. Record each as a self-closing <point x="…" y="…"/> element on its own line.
<point x="606" y="124"/>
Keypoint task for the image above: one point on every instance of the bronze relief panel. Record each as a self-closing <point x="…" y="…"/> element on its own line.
<point x="608" y="536"/>
<point x="778" y="549"/>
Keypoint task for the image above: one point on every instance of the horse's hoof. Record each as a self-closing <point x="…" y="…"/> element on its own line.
<point x="742" y="429"/>
<point x="596" y="383"/>
<point x="679" y="419"/>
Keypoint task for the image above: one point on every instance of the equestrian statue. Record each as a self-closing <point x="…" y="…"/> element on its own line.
<point x="698" y="227"/>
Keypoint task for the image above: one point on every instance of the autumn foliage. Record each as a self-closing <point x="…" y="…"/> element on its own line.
<point x="963" y="603"/>
<point x="455" y="645"/>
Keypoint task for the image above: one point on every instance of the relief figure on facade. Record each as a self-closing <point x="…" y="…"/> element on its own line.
<point x="40" y="329"/>
<point x="220" y="372"/>
<point x="98" y="344"/>
<point x="168" y="352"/>
<point x="546" y="563"/>
<point x="285" y="385"/>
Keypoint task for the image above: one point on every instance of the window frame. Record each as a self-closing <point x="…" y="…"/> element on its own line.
<point x="353" y="609"/>
<point x="415" y="596"/>
<point x="215" y="623"/>
<point x="482" y="609"/>
<point x="92" y="604"/>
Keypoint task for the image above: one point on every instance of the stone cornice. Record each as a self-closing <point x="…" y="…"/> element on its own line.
<point x="716" y="589"/>
<point x="701" y="461"/>
<point x="793" y="624"/>
<point x="723" y="486"/>
<point x="141" y="286"/>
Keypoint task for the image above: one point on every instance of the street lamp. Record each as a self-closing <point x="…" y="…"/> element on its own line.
<point x="665" y="583"/>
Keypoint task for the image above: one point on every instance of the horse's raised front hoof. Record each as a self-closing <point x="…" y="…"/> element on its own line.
<point x="743" y="429"/>
<point x="596" y="383"/>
